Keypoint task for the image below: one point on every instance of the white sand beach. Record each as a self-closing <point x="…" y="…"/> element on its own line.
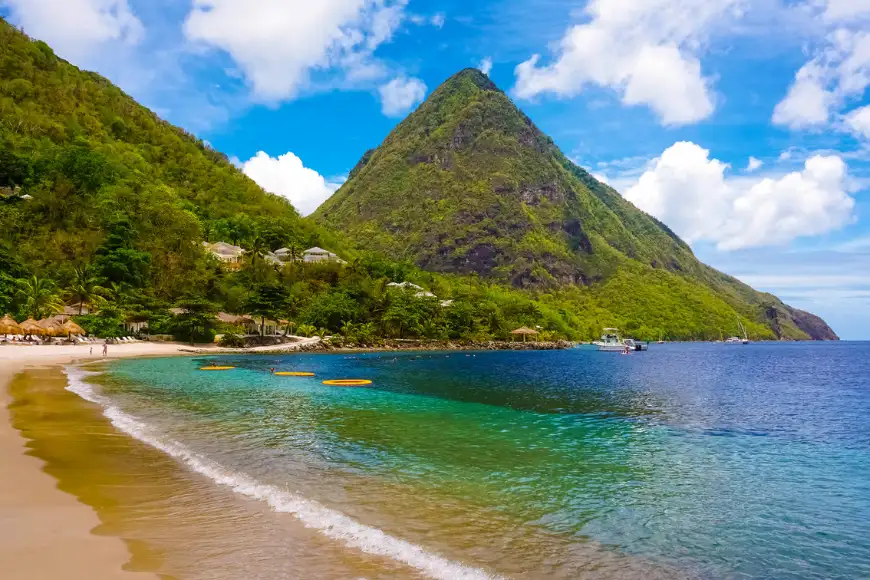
<point x="45" y="533"/>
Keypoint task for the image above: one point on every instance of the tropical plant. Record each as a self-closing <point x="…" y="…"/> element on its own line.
<point x="40" y="297"/>
<point x="306" y="330"/>
<point x="231" y="340"/>
<point x="86" y="288"/>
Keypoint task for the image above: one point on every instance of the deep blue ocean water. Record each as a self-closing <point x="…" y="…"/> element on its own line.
<point x="713" y="460"/>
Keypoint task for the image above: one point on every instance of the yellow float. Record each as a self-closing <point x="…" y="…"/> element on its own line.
<point x="217" y="368"/>
<point x="293" y="374"/>
<point x="347" y="383"/>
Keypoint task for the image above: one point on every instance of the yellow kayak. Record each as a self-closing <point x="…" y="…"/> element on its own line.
<point x="347" y="383"/>
<point x="217" y="368"/>
<point x="293" y="374"/>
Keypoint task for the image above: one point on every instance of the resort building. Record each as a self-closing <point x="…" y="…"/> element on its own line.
<point x="227" y="253"/>
<point x="315" y="255"/>
<point x="250" y="324"/>
<point x="285" y="254"/>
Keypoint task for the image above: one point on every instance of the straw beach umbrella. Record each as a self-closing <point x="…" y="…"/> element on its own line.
<point x="9" y="326"/>
<point x="525" y="332"/>
<point x="51" y="327"/>
<point x="31" y="326"/>
<point x="71" y="328"/>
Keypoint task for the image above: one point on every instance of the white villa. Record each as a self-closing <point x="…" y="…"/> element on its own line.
<point x="314" y="255"/>
<point x="225" y="252"/>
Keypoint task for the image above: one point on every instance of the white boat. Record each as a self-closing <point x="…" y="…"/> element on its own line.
<point x="737" y="339"/>
<point x="635" y="344"/>
<point x="610" y="341"/>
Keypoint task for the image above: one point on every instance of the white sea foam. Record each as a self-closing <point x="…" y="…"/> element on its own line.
<point x="331" y="523"/>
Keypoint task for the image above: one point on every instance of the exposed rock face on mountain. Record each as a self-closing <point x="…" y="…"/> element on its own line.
<point x="468" y="184"/>
<point x="815" y="327"/>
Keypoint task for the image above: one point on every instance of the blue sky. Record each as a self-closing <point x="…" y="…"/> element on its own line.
<point x="743" y="124"/>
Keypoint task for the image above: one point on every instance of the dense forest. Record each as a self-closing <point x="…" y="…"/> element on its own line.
<point x="104" y="204"/>
<point x="468" y="184"/>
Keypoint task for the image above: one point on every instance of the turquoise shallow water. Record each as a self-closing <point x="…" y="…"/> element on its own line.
<point x="707" y="461"/>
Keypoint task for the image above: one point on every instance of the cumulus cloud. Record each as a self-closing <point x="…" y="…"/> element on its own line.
<point x="75" y="28"/>
<point x="485" y="66"/>
<point x="646" y="51"/>
<point x="286" y="176"/>
<point x="691" y="192"/>
<point x="754" y="164"/>
<point x="837" y="73"/>
<point x="277" y="47"/>
<point x="858" y="121"/>
<point x="401" y="94"/>
<point x="807" y="102"/>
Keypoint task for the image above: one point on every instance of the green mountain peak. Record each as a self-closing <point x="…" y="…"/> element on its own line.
<point x="468" y="184"/>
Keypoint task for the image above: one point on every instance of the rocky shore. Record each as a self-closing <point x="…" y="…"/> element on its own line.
<point x="338" y="345"/>
<point x="391" y="345"/>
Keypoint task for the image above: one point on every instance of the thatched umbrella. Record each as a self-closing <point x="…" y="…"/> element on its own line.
<point x="71" y="328"/>
<point x="31" y="326"/>
<point x="526" y="332"/>
<point x="9" y="326"/>
<point x="51" y="327"/>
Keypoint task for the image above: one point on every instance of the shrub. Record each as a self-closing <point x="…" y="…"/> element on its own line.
<point x="232" y="341"/>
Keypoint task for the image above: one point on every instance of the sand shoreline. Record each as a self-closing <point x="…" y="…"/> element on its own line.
<point x="45" y="533"/>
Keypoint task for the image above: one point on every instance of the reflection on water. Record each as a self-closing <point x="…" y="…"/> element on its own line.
<point x="688" y="460"/>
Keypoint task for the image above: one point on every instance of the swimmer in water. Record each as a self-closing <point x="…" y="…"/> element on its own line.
<point x="272" y="370"/>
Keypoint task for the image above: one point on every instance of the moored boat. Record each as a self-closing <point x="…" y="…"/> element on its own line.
<point x="636" y="344"/>
<point x="610" y="341"/>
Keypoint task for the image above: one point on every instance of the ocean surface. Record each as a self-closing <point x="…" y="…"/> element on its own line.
<point x="686" y="461"/>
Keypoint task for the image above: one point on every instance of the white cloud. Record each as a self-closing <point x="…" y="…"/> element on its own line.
<point x="278" y="46"/>
<point x="76" y="28"/>
<point x="485" y="66"/>
<point x="646" y="51"/>
<point x="858" y="121"/>
<point x="838" y="71"/>
<point x="288" y="177"/>
<point x="690" y="192"/>
<point x="753" y="164"/>
<point x="438" y="20"/>
<point x="807" y="101"/>
<point x="838" y="10"/>
<point x="400" y="94"/>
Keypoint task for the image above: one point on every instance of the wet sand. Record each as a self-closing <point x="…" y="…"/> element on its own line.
<point x="46" y="533"/>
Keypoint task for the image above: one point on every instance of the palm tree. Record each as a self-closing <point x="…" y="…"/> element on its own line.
<point x="294" y="250"/>
<point x="258" y="249"/>
<point x="40" y="296"/>
<point x="86" y="288"/>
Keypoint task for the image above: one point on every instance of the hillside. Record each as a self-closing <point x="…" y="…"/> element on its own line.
<point x="107" y="177"/>
<point x="467" y="184"/>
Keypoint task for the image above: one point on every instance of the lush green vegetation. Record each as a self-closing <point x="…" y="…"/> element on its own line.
<point x="468" y="184"/>
<point x="104" y="205"/>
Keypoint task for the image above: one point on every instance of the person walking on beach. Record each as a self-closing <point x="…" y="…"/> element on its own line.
<point x="92" y="351"/>
<point x="105" y="349"/>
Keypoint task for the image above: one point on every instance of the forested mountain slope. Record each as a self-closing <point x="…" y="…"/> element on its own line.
<point x="108" y="179"/>
<point x="468" y="184"/>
